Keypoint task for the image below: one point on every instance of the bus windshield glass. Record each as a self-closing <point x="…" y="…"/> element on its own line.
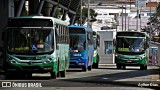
<point x="77" y="42"/>
<point x="134" y="45"/>
<point x="30" y="41"/>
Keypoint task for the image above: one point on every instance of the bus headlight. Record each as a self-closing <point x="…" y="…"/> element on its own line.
<point x="141" y="57"/>
<point x="12" y="61"/>
<point x="49" y="60"/>
<point x="82" y="58"/>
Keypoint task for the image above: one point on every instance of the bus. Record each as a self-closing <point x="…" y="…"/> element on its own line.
<point x="132" y="49"/>
<point x="36" y="44"/>
<point x="81" y="47"/>
<point x="96" y="42"/>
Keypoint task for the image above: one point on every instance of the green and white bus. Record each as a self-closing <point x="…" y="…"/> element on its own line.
<point x="96" y="41"/>
<point x="36" y="44"/>
<point x="132" y="49"/>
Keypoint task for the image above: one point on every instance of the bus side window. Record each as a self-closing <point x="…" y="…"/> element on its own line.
<point x="57" y="37"/>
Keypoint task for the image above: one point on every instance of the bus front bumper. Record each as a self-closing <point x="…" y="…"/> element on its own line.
<point x="130" y="62"/>
<point x="78" y="63"/>
<point x="30" y="68"/>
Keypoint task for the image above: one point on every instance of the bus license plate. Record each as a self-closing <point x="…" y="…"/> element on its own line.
<point x="129" y="61"/>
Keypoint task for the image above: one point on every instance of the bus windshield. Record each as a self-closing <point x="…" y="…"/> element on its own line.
<point x="30" y="41"/>
<point x="134" y="45"/>
<point x="77" y="42"/>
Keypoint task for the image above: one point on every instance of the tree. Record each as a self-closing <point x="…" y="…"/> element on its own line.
<point x="154" y="22"/>
<point x="93" y="15"/>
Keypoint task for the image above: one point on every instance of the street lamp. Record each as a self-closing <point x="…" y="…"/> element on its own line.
<point x="88" y="21"/>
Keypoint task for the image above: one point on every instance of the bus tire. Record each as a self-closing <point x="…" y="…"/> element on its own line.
<point x="96" y="65"/>
<point x="143" y="67"/>
<point x="29" y="75"/>
<point x="119" y="66"/>
<point x="63" y="73"/>
<point x="124" y="67"/>
<point x="3" y="77"/>
<point x="84" y="68"/>
<point x="53" y="75"/>
<point x="90" y="67"/>
<point x="58" y="72"/>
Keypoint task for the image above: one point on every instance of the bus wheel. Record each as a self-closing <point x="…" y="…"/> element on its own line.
<point x="63" y="73"/>
<point x="58" y="74"/>
<point x="19" y="76"/>
<point x="90" y="67"/>
<point x="84" y="69"/>
<point x="3" y="77"/>
<point x="54" y="75"/>
<point x="119" y="66"/>
<point x="96" y="65"/>
<point x="124" y="67"/>
<point x="143" y="67"/>
<point x="29" y="75"/>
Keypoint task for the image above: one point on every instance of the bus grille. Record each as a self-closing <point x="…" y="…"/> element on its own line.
<point x="27" y="58"/>
<point x="30" y="67"/>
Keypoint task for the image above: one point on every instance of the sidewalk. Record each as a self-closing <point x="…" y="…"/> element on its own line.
<point x="107" y="64"/>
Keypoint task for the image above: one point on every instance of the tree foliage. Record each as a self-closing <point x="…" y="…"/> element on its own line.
<point x="93" y="15"/>
<point x="154" y="21"/>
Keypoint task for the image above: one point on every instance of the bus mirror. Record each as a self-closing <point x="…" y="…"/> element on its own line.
<point x="98" y="43"/>
<point x="88" y="36"/>
<point x="94" y="33"/>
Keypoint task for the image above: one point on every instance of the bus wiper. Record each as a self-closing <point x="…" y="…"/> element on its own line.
<point x="127" y="41"/>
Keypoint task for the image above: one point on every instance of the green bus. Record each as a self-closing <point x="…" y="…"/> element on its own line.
<point x="36" y="44"/>
<point x="131" y="49"/>
<point x="96" y="41"/>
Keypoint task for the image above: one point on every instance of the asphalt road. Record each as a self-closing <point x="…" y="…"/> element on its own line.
<point x="106" y="77"/>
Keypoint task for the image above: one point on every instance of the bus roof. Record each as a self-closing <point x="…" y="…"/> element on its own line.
<point x="86" y="28"/>
<point x="135" y="31"/>
<point x="55" y="20"/>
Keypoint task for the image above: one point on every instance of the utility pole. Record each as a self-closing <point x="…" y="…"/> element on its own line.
<point x="125" y="14"/>
<point x="88" y="21"/>
<point x="150" y="17"/>
<point x="128" y="16"/>
<point x="122" y="17"/>
<point x="81" y="13"/>
<point x="137" y="15"/>
<point x="140" y="17"/>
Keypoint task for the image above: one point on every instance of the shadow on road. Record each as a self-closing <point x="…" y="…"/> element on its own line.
<point x="111" y="79"/>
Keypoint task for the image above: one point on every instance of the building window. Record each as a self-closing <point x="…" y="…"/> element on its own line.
<point x="108" y="47"/>
<point x="148" y="14"/>
<point x="124" y="14"/>
<point x="99" y="21"/>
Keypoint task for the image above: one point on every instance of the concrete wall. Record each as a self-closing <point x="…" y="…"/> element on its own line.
<point x="106" y="36"/>
<point x="3" y="16"/>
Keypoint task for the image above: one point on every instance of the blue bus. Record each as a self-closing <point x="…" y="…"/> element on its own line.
<point x="81" y="47"/>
